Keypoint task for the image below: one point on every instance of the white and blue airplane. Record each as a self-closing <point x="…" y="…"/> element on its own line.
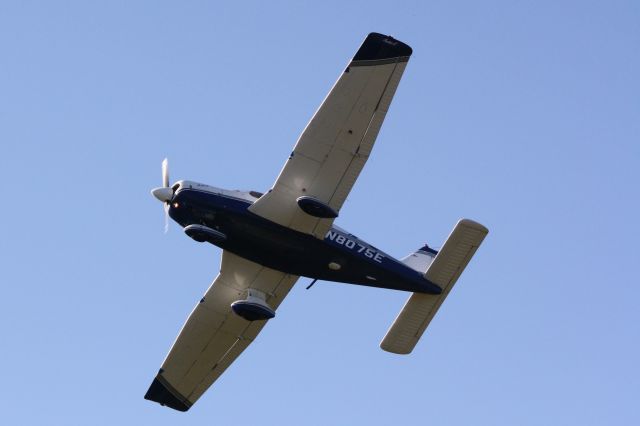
<point x="270" y="240"/>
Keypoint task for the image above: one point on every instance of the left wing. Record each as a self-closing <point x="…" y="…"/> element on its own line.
<point x="336" y="143"/>
<point x="213" y="336"/>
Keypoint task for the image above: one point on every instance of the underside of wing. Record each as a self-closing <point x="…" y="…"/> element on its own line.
<point x="336" y="143"/>
<point x="213" y="336"/>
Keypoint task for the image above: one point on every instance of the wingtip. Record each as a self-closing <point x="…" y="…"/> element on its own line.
<point x="160" y="393"/>
<point x="380" y="47"/>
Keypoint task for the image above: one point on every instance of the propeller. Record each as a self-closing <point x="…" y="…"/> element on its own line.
<point x="164" y="193"/>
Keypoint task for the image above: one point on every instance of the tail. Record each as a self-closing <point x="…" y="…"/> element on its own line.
<point x="444" y="269"/>
<point x="421" y="259"/>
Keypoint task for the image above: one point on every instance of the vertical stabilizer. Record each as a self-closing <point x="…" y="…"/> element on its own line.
<point x="421" y="259"/>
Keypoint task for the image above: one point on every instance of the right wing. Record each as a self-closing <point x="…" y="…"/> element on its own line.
<point x="213" y="336"/>
<point x="445" y="270"/>
<point x="336" y="143"/>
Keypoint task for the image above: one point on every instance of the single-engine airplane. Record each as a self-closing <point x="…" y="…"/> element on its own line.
<point x="269" y="240"/>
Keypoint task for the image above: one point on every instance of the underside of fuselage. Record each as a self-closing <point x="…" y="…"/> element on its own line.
<point x="340" y="257"/>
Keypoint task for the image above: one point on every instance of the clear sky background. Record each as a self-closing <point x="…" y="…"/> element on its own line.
<point x="522" y="115"/>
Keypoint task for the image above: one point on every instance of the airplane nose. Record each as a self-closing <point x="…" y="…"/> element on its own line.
<point x="163" y="193"/>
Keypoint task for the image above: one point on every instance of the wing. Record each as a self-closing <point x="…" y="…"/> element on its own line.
<point x="336" y="143"/>
<point x="213" y="336"/>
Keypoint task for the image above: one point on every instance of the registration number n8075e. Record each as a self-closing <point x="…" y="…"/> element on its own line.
<point x="355" y="246"/>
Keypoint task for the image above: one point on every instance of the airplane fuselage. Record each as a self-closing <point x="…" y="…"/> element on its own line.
<point x="340" y="257"/>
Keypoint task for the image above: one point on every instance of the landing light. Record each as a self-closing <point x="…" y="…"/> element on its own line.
<point x="176" y="205"/>
<point x="334" y="266"/>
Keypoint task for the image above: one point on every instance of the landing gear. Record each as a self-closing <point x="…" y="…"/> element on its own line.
<point x="254" y="307"/>
<point x="202" y="233"/>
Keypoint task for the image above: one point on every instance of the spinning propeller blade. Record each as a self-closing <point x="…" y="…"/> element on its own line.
<point x="164" y="193"/>
<point x="166" y="218"/>
<point x="165" y="173"/>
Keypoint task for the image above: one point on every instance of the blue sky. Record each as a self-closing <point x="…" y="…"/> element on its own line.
<point x="524" y="116"/>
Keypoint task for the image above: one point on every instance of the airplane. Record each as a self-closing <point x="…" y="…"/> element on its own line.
<point x="270" y="240"/>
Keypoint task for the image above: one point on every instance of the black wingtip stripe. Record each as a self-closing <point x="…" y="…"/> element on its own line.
<point x="380" y="47"/>
<point x="161" y="392"/>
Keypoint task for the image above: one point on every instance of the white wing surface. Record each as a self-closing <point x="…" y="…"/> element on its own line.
<point x="336" y="143"/>
<point x="213" y="336"/>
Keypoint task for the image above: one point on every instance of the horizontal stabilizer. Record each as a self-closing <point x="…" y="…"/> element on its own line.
<point x="447" y="266"/>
